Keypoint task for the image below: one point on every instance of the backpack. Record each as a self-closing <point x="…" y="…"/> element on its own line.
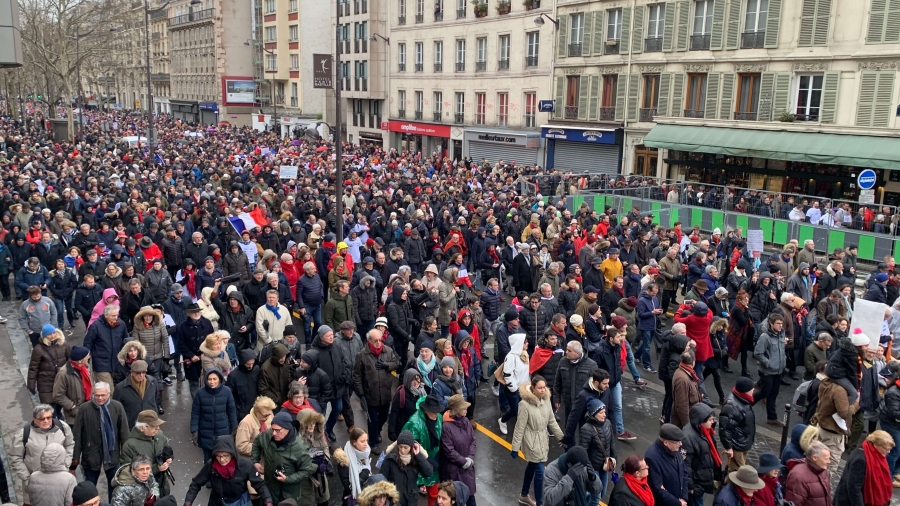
<point x="801" y="397"/>
<point x="26" y="434"/>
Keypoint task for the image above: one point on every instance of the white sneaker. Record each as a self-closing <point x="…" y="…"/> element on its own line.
<point x="502" y="426"/>
<point x="495" y="388"/>
<point x="2" y="319"/>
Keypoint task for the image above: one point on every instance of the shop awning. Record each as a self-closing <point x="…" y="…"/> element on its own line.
<point x="834" y="149"/>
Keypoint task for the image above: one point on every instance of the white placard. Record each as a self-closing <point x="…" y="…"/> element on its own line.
<point x="755" y="242"/>
<point x="868" y="316"/>
<point x="288" y="172"/>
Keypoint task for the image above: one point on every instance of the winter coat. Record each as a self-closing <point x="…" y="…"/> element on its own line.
<point x="140" y="444"/>
<point x="833" y="399"/>
<point x="210" y="359"/>
<point x="447" y="298"/>
<point x="236" y="263"/>
<point x="737" y="424"/>
<point x="599" y="439"/>
<point x="132" y="401"/>
<point x="129" y="491"/>
<point x="244" y="384"/>
<point x="668" y="474"/>
<point x="86" y="298"/>
<point x="46" y="361"/>
<point x="400" y="321"/>
<point x="62" y="283"/>
<point x="33" y="315"/>
<point x="558" y="486"/>
<point x="212" y="412"/>
<point x="314" y="489"/>
<point x="515" y="365"/>
<point x="310" y="290"/>
<point x="68" y="390"/>
<point x="702" y="470"/>
<point x="609" y="357"/>
<point x="646" y="319"/>
<point x="630" y="316"/>
<point x="274" y="378"/>
<point x="233" y="321"/>
<point x="338" y="310"/>
<point x="52" y="485"/>
<point x="293" y="456"/>
<point x="685" y="394"/>
<point x="25" y="459"/>
<point x="458" y="443"/>
<point x="570" y="378"/>
<point x="155" y="339"/>
<point x="188" y="337"/>
<point x="534" y="419"/>
<point x="319" y="384"/>
<point x="405" y="477"/>
<point x="337" y="366"/>
<point x="104" y="342"/>
<point x="850" y="487"/>
<point x="365" y="301"/>
<point x="224" y="491"/>
<point x="403" y="405"/>
<point x="158" y="283"/>
<point x="808" y="484"/>
<point x="432" y="445"/>
<point x="623" y="496"/>
<point x="89" y="438"/>
<point x="49" y="255"/>
<point x="534" y="322"/>
<point x="376" y="385"/>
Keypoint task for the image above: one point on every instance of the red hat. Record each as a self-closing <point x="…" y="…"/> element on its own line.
<point x="653" y="270"/>
<point x="695" y="238"/>
<point x="592" y="239"/>
<point x="370" y="242"/>
<point x="631" y="301"/>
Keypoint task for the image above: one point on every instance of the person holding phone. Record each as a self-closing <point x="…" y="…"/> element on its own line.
<point x="282" y="458"/>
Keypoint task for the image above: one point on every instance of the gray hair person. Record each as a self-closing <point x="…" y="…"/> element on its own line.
<point x="29" y="443"/>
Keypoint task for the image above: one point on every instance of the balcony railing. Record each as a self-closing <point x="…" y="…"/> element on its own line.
<point x="531" y="61"/>
<point x="575" y="49"/>
<point x="437" y="117"/>
<point x="529" y="120"/>
<point x="753" y="40"/>
<point x="401" y="20"/>
<point x="653" y="44"/>
<point x="401" y="67"/>
<point x="154" y="36"/>
<point x="401" y="113"/>
<point x="459" y="118"/>
<point x="159" y="77"/>
<point x="806" y="117"/>
<point x="192" y="17"/>
<point x="745" y="116"/>
<point x="420" y="18"/>
<point x="438" y="15"/>
<point x="419" y="67"/>
<point x="647" y="114"/>
<point x="571" y="112"/>
<point x="293" y="101"/>
<point x="438" y="67"/>
<point x="504" y="7"/>
<point x="699" y="42"/>
<point x="612" y="47"/>
<point x="607" y="113"/>
<point x="460" y="13"/>
<point x="503" y="64"/>
<point x="480" y="66"/>
<point x="418" y="114"/>
<point x="694" y="113"/>
<point x="460" y="66"/>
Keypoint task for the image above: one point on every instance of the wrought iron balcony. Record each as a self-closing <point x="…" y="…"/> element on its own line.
<point x="159" y="77"/>
<point x="420" y="18"/>
<point x="458" y="118"/>
<point x="692" y="113"/>
<point x="293" y="101"/>
<point x="531" y="61"/>
<point x="460" y="13"/>
<point x="460" y="66"/>
<point x="611" y="47"/>
<point x="653" y="44"/>
<point x="607" y="114"/>
<point x="575" y="49"/>
<point x="438" y="67"/>
<point x="419" y="67"/>
<point x="503" y="64"/>
<point x="192" y="17"/>
<point x="401" y="67"/>
<point x="806" y="117"/>
<point x="745" y="116"/>
<point x="418" y="114"/>
<point x="401" y="113"/>
<point x="753" y="40"/>
<point x="699" y="42"/>
<point x="437" y="117"/>
<point x="647" y="114"/>
<point x="401" y="20"/>
<point x="480" y="66"/>
<point x="571" y="112"/>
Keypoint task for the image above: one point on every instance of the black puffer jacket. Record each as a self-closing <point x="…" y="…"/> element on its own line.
<point x="423" y="303"/>
<point x="490" y="304"/>
<point x="244" y="383"/>
<point x="334" y="364"/>
<point x="570" y="378"/>
<point x="737" y="424"/>
<point x="568" y="299"/>
<point x="670" y="354"/>
<point x="599" y="439"/>
<point x="534" y="322"/>
<point x="400" y="320"/>
<point x="233" y="321"/>
<point x="404" y="477"/>
<point x="702" y="470"/>
<point x="319" y="384"/>
<point x="890" y="413"/>
<point x="365" y="300"/>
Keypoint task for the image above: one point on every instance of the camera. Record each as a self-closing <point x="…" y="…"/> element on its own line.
<point x="281" y="470"/>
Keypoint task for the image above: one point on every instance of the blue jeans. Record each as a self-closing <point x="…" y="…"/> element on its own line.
<point x="629" y="360"/>
<point x="894" y="455"/>
<point x="534" y="471"/>
<point x="616" y="400"/>
<point x="313" y="315"/>
<point x="594" y="499"/>
<point x="60" y="304"/>
<point x="643" y="352"/>
<point x="698" y="370"/>
<point x="512" y="398"/>
<point x="337" y="405"/>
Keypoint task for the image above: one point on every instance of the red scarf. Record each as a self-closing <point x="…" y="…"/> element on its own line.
<point x="877" y="487"/>
<point x="294" y="409"/>
<point x="85" y="379"/>
<point x="690" y="369"/>
<point x="374" y="351"/>
<point x="226" y="471"/>
<point x="493" y="253"/>
<point x="640" y="488"/>
<point x="191" y="282"/>
<point x="465" y="358"/>
<point x="708" y="434"/>
<point x="539" y="359"/>
<point x="262" y="425"/>
<point x="745" y="499"/>
<point x="746" y="396"/>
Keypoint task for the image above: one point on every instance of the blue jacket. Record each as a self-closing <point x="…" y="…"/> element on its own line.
<point x="205" y="279"/>
<point x="213" y="412"/>
<point x="104" y="343"/>
<point x="5" y="260"/>
<point x="26" y="278"/>
<point x="645" y="307"/>
<point x="668" y="475"/>
<point x="310" y="291"/>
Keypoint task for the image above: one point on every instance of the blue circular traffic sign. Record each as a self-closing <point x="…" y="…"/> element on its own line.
<point x="866" y="179"/>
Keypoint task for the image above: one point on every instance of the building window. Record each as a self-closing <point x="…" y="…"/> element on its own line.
<point x="695" y="104"/>
<point x="401" y="57"/>
<point x="614" y="24"/>
<point x="503" y="63"/>
<point x="420" y="103"/>
<point x="438" y="56"/>
<point x="748" y="97"/>
<point x="651" y="97"/>
<point x="572" y="83"/>
<point x="292" y="5"/>
<point x="271" y="63"/>
<point x="420" y="11"/>
<point x="481" y="54"/>
<point x="460" y="108"/>
<point x="480" y="107"/>
<point x="401" y="103"/>
<point x="460" y="55"/>
<point x="809" y="96"/>
<point x="293" y="33"/>
<point x="270" y="6"/>
<point x="530" y="110"/>
<point x="270" y="34"/>
<point x="401" y="13"/>
<point x="295" y="62"/>
<point x="655" y="25"/>
<point x="532" y="49"/>
<point x="503" y="109"/>
<point x="608" y="97"/>
<point x="420" y="56"/>
<point x="374" y="113"/>
<point x="293" y="94"/>
<point x="438" y="104"/>
<point x="757" y="11"/>
<point x="703" y="11"/>
<point x="576" y="33"/>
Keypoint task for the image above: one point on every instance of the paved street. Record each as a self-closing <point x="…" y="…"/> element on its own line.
<point x="499" y="476"/>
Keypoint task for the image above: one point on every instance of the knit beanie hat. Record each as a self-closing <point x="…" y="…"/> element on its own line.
<point x="84" y="492"/>
<point x="744" y="385"/>
<point x="448" y="362"/>
<point x="619" y="322"/>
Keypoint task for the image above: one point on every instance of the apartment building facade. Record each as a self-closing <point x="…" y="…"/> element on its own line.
<point x="783" y="95"/>
<point x="467" y="77"/>
<point x="160" y="78"/>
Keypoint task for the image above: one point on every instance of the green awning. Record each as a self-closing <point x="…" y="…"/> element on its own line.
<point x="834" y="149"/>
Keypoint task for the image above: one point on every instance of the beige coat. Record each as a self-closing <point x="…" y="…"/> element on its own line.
<point x="247" y="431"/>
<point x="25" y="461"/>
<point x="535" y="417"/>
<point x="276" y="326"/>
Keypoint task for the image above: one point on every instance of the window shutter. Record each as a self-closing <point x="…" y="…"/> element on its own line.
<point x="892" y="23"/>
<point x="828" y="105"/>
<point x="782" y="96"/>
<point x="637" y="36"/>
<point x="884" y="103"/>
<point x="665" y="88"/>
<point x="561" y="48"/>
<point x="866" y="104"/>
<point x="807" y="23"/>
<point x="712" y="96"/>
<point x="733" y="30"/>
<point x="621" y="84"/>
<point x="625" y="39"/>
<point x="677" y="103"/>
<point x="877" y="16"/>
<point x="599" y="41"/>
<point x="560" y="97"/>
<point x="726" y="99"/>
<point x="588" y="33"/>
<point x="634" y="94"/>
<point x="594" y="95"/>
<point x="772" y="24"/>
<point x="823" y="18"/>
<point x="583" y="88"/>
<point x="766" y="92"/>
<point x="684" y="26"/>
<point x="718" y="25"/>
<point x="668" y="27"/>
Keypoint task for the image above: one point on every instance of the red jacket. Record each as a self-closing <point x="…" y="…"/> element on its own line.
<point x="807" y="485"/>
<point x="698" y="330"/>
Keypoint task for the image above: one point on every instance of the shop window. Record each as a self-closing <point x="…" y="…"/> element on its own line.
<point x="809" y="97"/>
<point x="695" y="104"/>
<point x="748" y="97"/>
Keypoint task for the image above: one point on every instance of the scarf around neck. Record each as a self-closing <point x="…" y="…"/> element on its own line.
<point x="709" y="435"/>
<point x="359" y="460"/>
<point x="877" y="488"/>
<point x="108" y="432"/>
<point x="274" y="309"/>
<point x="748" y="396"/>
<point x="425" y="368"/>
<point x="85" y="375"/>
<point x="373" y="350"/>
<point x="226" y="471"/>
<point x="640" y="488"/>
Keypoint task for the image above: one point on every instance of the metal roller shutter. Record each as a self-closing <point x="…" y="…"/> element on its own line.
<point x="494" y="152"/>
<point x="579" y="157"/>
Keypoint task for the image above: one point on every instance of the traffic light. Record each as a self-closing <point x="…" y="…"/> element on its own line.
<point x="30" y="96"/>
<point x="40" y="97"/>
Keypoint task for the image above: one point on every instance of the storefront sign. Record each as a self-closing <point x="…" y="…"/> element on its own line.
<point x="385" y="125"/>
<point x="504" y="139"/>
<point x="547" y="105"/>
<point x="322" y="72"/>
<point x="579" y="135"/>
<point x="408" y="127"/>
<point x="866" y="179"/>
<point x="210" y="106"/>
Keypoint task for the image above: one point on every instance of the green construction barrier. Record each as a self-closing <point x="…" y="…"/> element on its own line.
<point x="696" y="217"/>
<point x="743" y="222"/>
<point x="625" y="207"/>
<point x="866" y="247"/>
<point x="577" y="200"/>
<point x="766" y="227"/>
<point x="599" y="202"/>
<point x="805" y="233"/>
<point x="673" y="216"/>
<point x="781" y="233"/>
<point x="718" y="221"/>
<point x="836" y="240"/>
<point x="655" y="206"/>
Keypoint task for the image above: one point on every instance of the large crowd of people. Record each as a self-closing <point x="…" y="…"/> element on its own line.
<point x="192" y="260"/>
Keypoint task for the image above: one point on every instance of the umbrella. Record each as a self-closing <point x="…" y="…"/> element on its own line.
<point x="321" y="149"/>
<point x="295" y="142"/>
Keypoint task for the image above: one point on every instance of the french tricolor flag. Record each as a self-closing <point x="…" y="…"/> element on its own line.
<point x="248" y="221"/>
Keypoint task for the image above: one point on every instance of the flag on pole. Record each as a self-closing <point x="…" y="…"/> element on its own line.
<point x="257" y="216"/>
<point x="243" y="222"/>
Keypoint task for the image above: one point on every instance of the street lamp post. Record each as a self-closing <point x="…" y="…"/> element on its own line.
<point x="338" y="148"/>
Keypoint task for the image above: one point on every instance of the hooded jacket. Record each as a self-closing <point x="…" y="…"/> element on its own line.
<point x="25" y="459"/>
<point x="46" y="359"/>
<point x="236" y="262"/>
<point x="244" y="383"/>
<point x="599" y="439"/>
<point x="365" y="300"/>
<point x="535" y="418"/>
<point x="188" y="337"/>
<point x="52" y="485"/>
<point x="232" y="321"/>
<point x="769" y="352"/>
<point x="318" y="382"/>
<point x="447" y="298"/>
<point x="515" y="366"/>
<point x="404" y="477"/>
<point x="400" y="320"/>
<point x="702" y="470"/>
<point x="154" y="339"/>
<point x="213" y="412"/>
<point x="86" y="298"/>
<point x="275" y="377"/>
<point x="140" y="444"/>
<point x="97" y="310"/>
<point x="292" y="455"/>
